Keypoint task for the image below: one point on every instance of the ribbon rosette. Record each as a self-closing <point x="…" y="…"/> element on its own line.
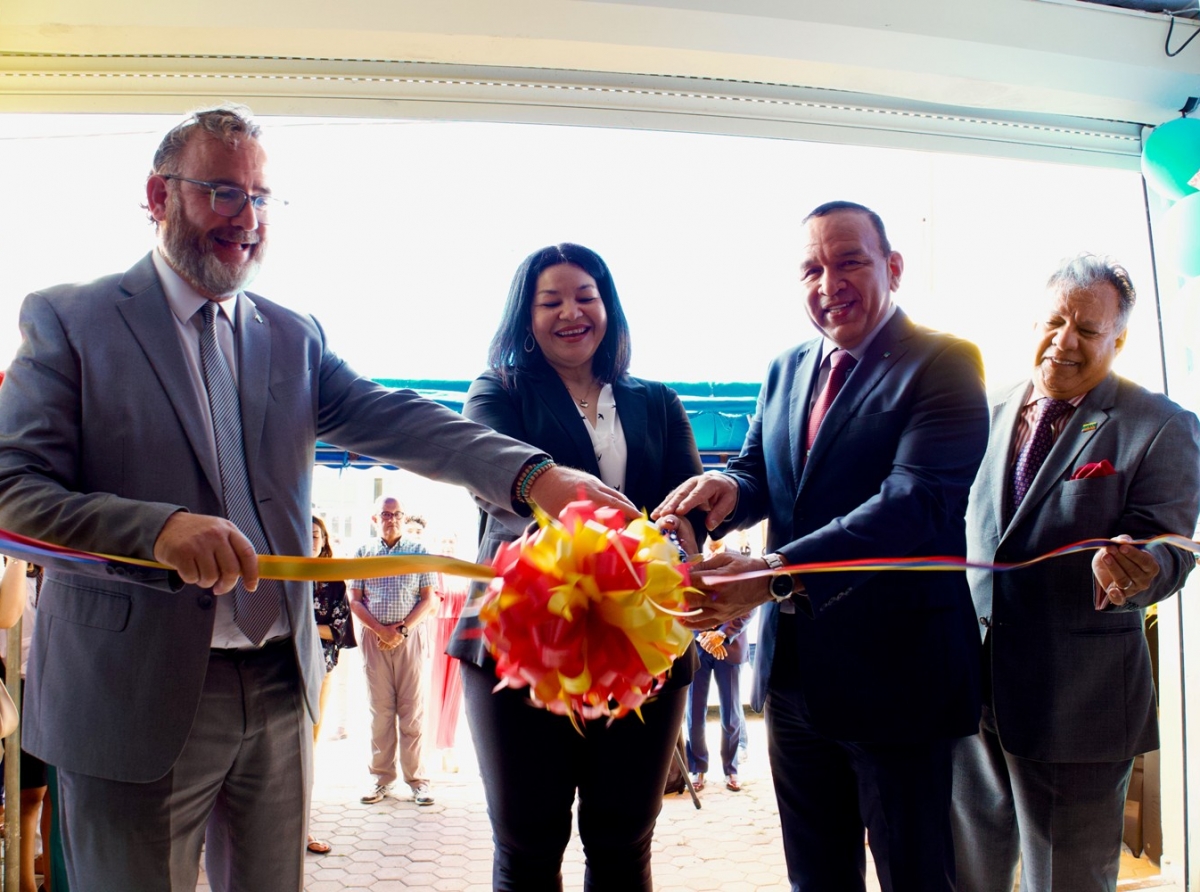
<point x="582" y="611"/>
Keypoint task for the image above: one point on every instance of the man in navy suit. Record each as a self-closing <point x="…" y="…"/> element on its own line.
<point x="864" y="445"/>
<point x="1069" y="691"/>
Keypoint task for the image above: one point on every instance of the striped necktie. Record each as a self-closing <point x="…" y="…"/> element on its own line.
<point x="254" y="612"/>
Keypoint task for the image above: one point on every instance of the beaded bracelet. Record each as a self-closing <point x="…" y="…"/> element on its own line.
<point x="528" y="478"/>
<point x="520" y="481"/>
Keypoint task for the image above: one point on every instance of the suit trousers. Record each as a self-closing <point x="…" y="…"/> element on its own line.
<point x="829" y="790"/>
<point x="533" y="762"/>
<point x="241" y="786"/>
<point x="1063" y="819"/>
<point x="396" y="695"/>
<point x="733" y="719"/>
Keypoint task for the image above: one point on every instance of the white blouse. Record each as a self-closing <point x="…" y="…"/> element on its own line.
<point x="608" y="439"/>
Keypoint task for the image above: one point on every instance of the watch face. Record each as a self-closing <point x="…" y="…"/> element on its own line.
<point x="782" y="586"/>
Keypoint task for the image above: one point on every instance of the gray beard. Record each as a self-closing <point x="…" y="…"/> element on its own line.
<point x="185" y="247"/>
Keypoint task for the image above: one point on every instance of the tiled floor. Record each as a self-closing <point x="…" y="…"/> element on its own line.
<point x="732" y="843"/>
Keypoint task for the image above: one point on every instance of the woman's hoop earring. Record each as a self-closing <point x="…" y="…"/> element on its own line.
<point x="529" y="343"/>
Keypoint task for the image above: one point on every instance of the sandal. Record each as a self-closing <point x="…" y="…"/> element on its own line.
<point x="732" y="784"/>
<point x="698" y="782"/>
<point x="318" y="846"/>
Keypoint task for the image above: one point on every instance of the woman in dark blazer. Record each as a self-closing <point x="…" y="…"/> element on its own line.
<point x="558" y="379"/>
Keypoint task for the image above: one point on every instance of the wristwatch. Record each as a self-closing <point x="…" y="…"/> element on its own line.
<point x="782" y="586"/>
<point x="403" y="630"/>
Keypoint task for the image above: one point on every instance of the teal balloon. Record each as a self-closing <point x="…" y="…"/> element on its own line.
<point x="1180" y="241"/>
<point x="1171" y="157"/>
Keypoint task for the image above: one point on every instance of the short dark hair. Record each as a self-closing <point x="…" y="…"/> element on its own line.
<point x="832" y="207"/>
<point x="230" y="124"/>
<point x="1085" y="270"/>
<point x="507" y="355"/>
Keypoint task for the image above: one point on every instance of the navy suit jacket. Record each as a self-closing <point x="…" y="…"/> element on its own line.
<point x="882" y="655"/>
<point x="101" y="441"/>
<point x="539" y="410"/>
<point x="1070" y="683"/>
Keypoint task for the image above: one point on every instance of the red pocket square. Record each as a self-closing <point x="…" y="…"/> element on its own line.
<point x="1102" y="468"/>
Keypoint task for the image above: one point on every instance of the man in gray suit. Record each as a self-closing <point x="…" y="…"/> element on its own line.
<point x="164" y="413"/>
<point x="1078" y="453"/>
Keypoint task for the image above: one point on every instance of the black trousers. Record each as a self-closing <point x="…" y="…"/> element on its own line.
<point x="830" y="790"/>
<point x="534" y="762"/>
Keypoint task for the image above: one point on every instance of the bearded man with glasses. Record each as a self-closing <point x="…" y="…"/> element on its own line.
<point x="168" y="415"/>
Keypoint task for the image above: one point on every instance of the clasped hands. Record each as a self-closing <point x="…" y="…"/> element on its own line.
<point x="393" y="637"/>
<point x="713" y="642"/>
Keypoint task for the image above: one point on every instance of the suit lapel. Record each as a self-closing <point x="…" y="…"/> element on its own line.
<point x="149" y="318"/>
<point x="1088" y="418"/>
<point x="253" y="339"/>
<point x="808" y="362"/>
<point x="631" y="409"/>
<point x="994" y="471"/>
<point x="560" y="407"/>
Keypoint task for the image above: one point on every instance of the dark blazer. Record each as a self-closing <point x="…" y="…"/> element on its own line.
<point x="661" y="454"/>
<point x="1070" y="683"/>
<point x="882" y="656"/>
<point x="101" y="440"/>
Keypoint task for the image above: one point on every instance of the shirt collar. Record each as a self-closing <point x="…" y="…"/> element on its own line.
<point x="828" y="346"/>
<point x="184" y="300"/>
<point x="1035" y="394"/>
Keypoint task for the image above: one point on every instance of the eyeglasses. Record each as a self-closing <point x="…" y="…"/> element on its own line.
<point x="228" y="201"/>
<point x="391" y="515"/>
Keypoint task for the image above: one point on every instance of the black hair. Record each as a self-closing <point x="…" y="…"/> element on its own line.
<point x="831" y="207"/>
<point x="508" y="355"/>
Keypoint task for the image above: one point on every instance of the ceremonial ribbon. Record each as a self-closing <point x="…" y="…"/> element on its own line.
<point x="273" y="566"/>
<point x="270" y="566"/>
<point x="952" y="563"/>
<point x="583" y="611"/>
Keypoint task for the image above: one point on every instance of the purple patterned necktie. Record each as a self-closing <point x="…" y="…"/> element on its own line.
<point x="840" y="364"/>
<point x="1036" y="448"/>
<point x="254" y="612"/>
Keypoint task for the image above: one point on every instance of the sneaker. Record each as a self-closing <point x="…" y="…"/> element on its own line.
<point x="421" y="795"/>
<point x="377" y="794"/>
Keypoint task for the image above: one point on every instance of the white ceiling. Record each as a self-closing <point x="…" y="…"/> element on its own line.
<point x="1012" y="57"/>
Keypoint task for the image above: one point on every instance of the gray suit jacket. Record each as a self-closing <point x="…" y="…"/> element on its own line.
<point x="1070" y="683"/>
<point x="100" y="442"/>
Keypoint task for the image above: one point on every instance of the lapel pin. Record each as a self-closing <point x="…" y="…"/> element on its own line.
<point x="257" y="318"/>
<point x="1087" y="426"/>
<point x="887" y="353"/>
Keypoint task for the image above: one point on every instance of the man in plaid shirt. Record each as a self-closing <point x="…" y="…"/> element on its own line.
<point x="393" y="608"/>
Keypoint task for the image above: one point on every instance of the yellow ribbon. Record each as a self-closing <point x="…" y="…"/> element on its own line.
<point x="278" y="566"/>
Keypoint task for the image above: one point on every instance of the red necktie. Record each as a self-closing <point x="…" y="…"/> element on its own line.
<point x="840" y="364"/>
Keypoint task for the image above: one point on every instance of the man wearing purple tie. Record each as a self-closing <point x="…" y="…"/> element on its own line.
<point x="864" y="445"/>
<point x="1075" y="453"/>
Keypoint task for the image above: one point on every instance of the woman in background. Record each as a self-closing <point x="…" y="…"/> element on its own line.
<point x="558" y="379"/>
<point x="331" y="610"/>
<point x="447" y="679"/>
